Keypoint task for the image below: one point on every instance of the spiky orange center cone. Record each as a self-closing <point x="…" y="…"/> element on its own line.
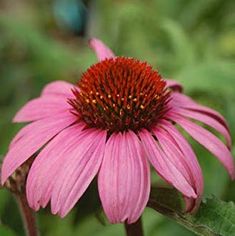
<point x="120" y="94"/>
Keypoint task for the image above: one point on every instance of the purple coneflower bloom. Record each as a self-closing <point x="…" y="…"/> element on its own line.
<point x="117" y="120"/>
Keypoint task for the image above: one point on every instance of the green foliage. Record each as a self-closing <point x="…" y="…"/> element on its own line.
<point x="6" y="231"/>
<point x="214" y="217"/>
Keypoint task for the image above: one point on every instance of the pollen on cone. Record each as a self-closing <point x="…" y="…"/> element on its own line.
<point x="120" y="94"/>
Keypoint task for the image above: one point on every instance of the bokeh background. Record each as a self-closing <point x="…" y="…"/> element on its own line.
<point x="45" y="40"/>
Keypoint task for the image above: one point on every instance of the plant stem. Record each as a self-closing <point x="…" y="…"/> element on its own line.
<point x="135" y="229"/>
<point x="27" y="215"/>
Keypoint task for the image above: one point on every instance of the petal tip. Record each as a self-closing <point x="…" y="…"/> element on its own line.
<point x="192" y="205"/>
<point x="93" y="42"/>
<point x="232" y="174"/>
<point x="63" y="213"/>
<point x="102" y="51"/>
<point x="33" y="204"/>
<point x="193" y="195"/>
<point x="35" y="207"/>
<point x="54" y="211"/>
<point x="3" y="180"/>
<point x="16" y="118"/>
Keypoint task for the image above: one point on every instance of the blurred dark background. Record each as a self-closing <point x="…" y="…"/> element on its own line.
<point x="45" y="40"/>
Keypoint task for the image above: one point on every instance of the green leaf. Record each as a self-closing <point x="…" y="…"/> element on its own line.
<point x="217" y="216"/>
<point x="214" y="217"/>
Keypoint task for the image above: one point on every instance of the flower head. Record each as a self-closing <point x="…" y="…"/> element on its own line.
<point x="120" y="117"/>
<point x="120" y="94"/>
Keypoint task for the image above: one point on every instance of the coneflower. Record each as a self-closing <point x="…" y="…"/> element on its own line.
<point x="120" y="117"/>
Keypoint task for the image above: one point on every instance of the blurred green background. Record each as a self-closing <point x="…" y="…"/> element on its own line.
<point x="45" y="40"/>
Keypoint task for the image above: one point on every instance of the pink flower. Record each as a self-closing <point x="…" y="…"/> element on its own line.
<point x="119" y="117"/>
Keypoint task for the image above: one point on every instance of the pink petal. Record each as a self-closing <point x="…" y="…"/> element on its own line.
<point x="45" y="168"/>
<point x="27" y="129"/>
<point x="208" y="120"/>
<point x="184" y="101"/>
<point x="189" y="158"/>
<point x="79" y="169"/>
<point x="177" y="158"/>
<point x="58" y="87"/>
<point x="101" y="50"/>
<point x="174" y="85"/>
<point x="124" y="178"/>
<point x="35" y="136"/>
<point x="172" y="153"/>
<point x="209" y="141"/>
<point x="42" y="107"/>
<point x="187" y="151"/>
<point x="164" y="166"/>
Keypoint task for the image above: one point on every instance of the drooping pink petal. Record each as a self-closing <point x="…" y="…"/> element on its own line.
<point x="101" y="50"/>
<point x="174" y="85"/>
<point x="81" y="166"/>
<point x="175" y="155"/>
<point x="164" y="167"/>
<point x="188" y="153"/>
<point x="124" y="178"/>
<point x="42" y="107"/>
<point x="208" y="120"/>
<point x="59" y="87"/>
<point x="184" y="101"/>
<point x="209" y="141"/>
<point x="38" y="134"/>
<point x="190" y="159"/>
<point x="48" y="164"/>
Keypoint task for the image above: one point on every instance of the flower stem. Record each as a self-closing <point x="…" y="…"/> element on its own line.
<point x="135" y="229"/>
<point x="27" y="215"/>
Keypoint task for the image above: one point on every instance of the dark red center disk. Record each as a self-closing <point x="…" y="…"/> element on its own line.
<point x="120" y="94"/>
